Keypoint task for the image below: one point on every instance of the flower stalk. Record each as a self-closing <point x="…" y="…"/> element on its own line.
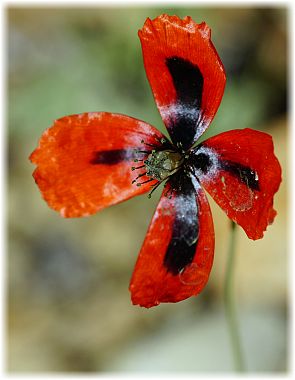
<point x="229" y="303"/>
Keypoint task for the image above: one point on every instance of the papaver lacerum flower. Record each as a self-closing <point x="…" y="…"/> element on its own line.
<point x="90" y="161"/>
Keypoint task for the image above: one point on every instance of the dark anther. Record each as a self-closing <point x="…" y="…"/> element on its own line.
<point x="137" y="167"/>
<point x="155" y="186"/>
<point x="151" y="145"/>
<point x="143" y="151"/>
<point x="140" y="175"/>
<point x="148" y="180"/>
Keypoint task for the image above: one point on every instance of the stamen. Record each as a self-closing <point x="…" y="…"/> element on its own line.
<point x="161" y="140"/>
<point x="140" y="175"/>
<point x="137" y="167"/>
<point x="155" y="186"/>
<point x="142" y="151"/>
<point x="136" y="160"/>
<point x="151" y="145"/>
<point x="149" y="180"/>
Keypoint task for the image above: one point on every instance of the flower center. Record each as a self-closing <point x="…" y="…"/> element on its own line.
<point x="162" y="164"/>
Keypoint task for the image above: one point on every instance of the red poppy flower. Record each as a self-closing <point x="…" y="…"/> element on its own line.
<point x="86" y="162"/>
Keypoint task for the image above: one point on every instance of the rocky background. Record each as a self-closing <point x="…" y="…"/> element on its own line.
<point x="68" y="305"/>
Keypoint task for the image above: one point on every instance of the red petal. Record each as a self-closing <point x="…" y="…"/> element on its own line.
<point x="152" y="283"/>
<point x="186" y="106"/>
<point x="247" y="201"/>
<point x="84" y="161"/>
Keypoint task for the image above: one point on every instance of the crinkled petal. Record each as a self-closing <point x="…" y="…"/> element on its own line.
<point x="240" y="171"/>
<point x="177" y="255"/>
<point x="185" y="73"/>
<point x="84" y="161"/>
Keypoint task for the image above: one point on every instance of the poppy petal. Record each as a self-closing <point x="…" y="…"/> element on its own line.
<point x="185" y="73"/>
<point x="240" y="171"/>
<point x="84" y="161"/>
<point x="177" y="255"/>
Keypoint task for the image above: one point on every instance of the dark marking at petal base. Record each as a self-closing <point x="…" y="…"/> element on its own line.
<point x="112" y="157"/>
<point x="245" y="174"/>
<point x="187" y="79"/>
<point x="185" y="232"/>
<point x="200" y="161"/>
<point x="188" y="82"/>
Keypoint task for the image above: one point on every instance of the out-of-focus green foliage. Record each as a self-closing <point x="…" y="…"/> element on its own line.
<point x="68" y="302"/>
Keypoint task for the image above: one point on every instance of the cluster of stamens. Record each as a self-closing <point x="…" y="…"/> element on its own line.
<point x="158" y="164"/>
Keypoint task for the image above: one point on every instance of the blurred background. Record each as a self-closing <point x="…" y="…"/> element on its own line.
<point x="68" y="304"/>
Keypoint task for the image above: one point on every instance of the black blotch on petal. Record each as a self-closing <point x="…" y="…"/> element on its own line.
<point x="200" y="161"/>
<point x="111" y="157"/>
<point x="188" y="82"/>
<point x="187" y="79"/>
<point x="182" y="247"/>
<point x="245" y="174"/>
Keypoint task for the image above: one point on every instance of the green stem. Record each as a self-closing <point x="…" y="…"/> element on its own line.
<point x="230" y="305"/>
